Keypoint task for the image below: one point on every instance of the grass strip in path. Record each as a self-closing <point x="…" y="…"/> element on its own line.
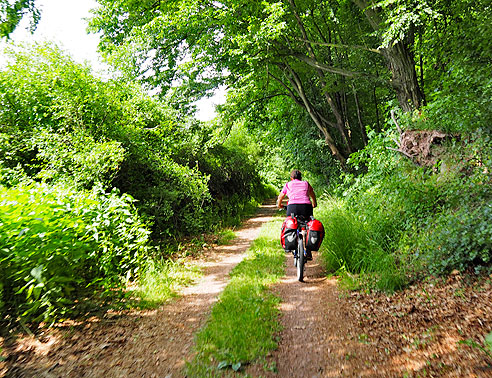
<point x="244" y="321"/>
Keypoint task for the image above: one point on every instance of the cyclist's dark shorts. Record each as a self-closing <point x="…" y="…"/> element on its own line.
<point x="302" y="209"/>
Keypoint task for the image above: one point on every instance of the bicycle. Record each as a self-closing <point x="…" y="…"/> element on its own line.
<point x="300" y="253"/>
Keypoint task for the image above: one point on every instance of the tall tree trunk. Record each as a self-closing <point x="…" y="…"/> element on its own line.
<point x="297" y="84"/>
<point x="400" y="62"/>
<point x="404" y="76"/>
<point x="321" y="123"/>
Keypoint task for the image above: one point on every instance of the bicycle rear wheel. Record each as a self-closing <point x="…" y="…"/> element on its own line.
<point x="300" y="260"/>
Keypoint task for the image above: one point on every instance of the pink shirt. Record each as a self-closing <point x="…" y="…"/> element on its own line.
<point x="297" y="191"/>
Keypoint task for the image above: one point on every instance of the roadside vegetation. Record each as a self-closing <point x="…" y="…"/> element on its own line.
<point x="99" y="182"/>
<point x="398" y="222"/>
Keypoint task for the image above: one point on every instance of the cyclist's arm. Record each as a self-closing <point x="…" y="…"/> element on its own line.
<point x="312" y="196"/>
<point x="280" y="199"/>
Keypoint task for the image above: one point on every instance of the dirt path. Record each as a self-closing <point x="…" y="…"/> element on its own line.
<point x="416" y="332"/>
<point x="317" y="338"/>
<point x="138" y="344"/>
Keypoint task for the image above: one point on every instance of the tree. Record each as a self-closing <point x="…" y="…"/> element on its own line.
<point x="11" y="13"/>
<point x="398" y="55"/>
<point x="335" y="59"/>
<point x="230" y="40"/>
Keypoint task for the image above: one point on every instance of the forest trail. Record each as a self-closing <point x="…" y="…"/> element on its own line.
<point x="326" y="332"/>
<point x="317" y="338"/>
<point x="140" y="343"/>
<point x="416" y="332"/>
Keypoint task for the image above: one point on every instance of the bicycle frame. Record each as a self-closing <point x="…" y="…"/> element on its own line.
<point x="300" y="253"/>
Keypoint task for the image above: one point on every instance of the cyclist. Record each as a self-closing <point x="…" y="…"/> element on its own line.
<point x="302" y="199"/>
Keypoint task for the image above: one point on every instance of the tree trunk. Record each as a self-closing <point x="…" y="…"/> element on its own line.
<point x="404" y="76"/>
<point x="297" y="84"/>
<point x="321" y="123"/>
<point x="400" y="62"/>
<point x="336" y="109"/>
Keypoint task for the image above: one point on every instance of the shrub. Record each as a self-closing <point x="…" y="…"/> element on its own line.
<point x="62" y="124"/>
<point x="457" y="240"/>
<point x="57" y="243"/>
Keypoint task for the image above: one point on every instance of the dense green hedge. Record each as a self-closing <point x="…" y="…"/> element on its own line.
<point x="62" y="124"/>
<point x="92" y="173"/>
<point x="58" y="243"/>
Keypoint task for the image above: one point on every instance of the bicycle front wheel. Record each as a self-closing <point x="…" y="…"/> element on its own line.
<point x="300" y="260"/>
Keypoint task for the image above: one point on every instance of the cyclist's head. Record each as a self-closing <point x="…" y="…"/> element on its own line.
<point x="296" y="174"/>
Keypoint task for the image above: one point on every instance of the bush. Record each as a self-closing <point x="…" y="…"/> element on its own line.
<point x="398" y="220"/>
<point x="457" y="240"/>
<point x="57" y="243"/>
<point x="62" y="124"/>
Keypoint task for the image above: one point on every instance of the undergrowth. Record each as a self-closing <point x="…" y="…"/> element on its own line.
<point x="161" y="279"/>
<point x="350" y="250"/>
<point x="397" y="223"/>
<point x="243" y="322"/>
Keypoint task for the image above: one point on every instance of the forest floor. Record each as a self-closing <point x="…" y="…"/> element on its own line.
<point x="327" y="331"/>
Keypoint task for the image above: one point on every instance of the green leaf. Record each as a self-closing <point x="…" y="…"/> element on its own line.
<point x="488" y="341"/>
<point x="236" y="366"/>
<point x="29" y="291"/>
<point x="223" y="364"/>
<point x="37" y="273"/>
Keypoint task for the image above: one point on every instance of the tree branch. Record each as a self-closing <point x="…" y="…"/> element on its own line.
<point x="264" y="98"/>
<point x="393" y="117"/>
<point x="286" y="87"/>
<point x="324" y="67"/>
<point x="341" y="46"/>
<point x="404" y="154"/>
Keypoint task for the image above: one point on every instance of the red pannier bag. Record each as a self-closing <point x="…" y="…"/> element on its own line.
<point x="315" y="235"/>
<point x="288" y="234"/>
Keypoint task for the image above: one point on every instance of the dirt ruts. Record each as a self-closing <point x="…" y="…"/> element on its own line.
<point x="327" y="332"/>
<point x="317" y="338"/>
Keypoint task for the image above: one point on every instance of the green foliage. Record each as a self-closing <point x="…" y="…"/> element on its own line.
<point x="457" y="54"/>
<point x="75" y="158"/>
<point x="457" y="239"/>
<point x="243" y="323"/>
<point x="393" y="195"/>
<point x="12" y="12"/>
<point x="58" y="244"/>
<point x="78" y="157"/>
<point x="62" y="124"/>
<point x="159" y="279"/>
<point x="398" y="221"/>
<point x="254" y="48"/>
<point x="351" y="247"/>
<point x="463" y="103"/>
<point x="458" y="236"/>
<point x="226" y="236"/>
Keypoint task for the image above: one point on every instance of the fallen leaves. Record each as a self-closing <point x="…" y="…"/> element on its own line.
<point x="417" y="331"/>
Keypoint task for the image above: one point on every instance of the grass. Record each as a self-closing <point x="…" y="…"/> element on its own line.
<point x="243" y="323"/>
<point x="225" y="237"/>
<point x="161" y="279"/>
<point x="350" y="250"/>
